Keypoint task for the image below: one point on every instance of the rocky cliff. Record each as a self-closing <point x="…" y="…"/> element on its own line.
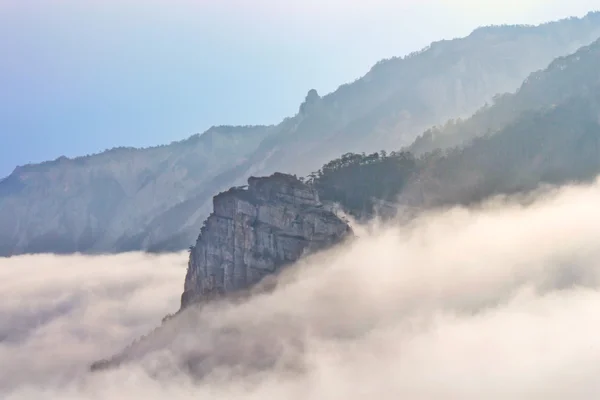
<point x="255" y="231"/>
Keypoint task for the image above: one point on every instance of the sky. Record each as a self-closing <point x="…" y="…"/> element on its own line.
<point x="78" y="77"/>
<point x="456" y="305"/>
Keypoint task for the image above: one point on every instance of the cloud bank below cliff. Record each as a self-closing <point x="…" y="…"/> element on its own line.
<point x="496" y="302"/>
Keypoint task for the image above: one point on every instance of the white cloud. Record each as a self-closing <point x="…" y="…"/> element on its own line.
<point x="58" y="313"/>
<point x="495" y="303"/>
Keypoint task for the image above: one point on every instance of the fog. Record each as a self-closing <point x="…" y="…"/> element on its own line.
<point x="495" y="302"/>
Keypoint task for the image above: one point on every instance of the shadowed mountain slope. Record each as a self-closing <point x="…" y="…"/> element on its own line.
<point x="555" y="141"/>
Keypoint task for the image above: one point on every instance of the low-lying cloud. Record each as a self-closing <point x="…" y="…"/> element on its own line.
<point x="59" y="312"/>
<point x="496" y="302"/>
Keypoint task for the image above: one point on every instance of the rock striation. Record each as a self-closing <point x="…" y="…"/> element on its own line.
<point x="256" y="230"/>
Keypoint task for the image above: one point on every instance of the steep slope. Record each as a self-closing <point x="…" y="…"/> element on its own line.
<point x="556" y="146"/>
<point x="402" y="97"/>
<point x="257" y="228"/>
<point x="353" y="117"/>
<point x="156" y="198"/>
<point x="96" y="203"/>
<point x="544" y="133"/>
<point x="566" y="77"/>
<point x="253" y="233"/>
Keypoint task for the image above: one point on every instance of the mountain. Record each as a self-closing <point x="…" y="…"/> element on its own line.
<point x="90" y="203"/>
<point x="556" y="145"/>
<point x="156" y="199"/>
<point x="550" y="134"/>
<point x="253" y="233"/>
<point x="566" y="76"/>
<point x="400" y="98"/>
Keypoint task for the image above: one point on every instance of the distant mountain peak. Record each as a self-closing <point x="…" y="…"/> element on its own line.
<point x="312" y="98"/>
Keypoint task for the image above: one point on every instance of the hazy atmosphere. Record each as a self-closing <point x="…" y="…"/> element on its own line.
<point x="79" y="77"/>
<point x="495" y="302"/>
<point x="304" y="200"/>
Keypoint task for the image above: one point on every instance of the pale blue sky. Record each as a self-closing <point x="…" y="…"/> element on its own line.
<point x="80" y="76"/>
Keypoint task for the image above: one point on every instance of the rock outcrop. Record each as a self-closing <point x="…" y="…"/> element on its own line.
<point x="253" y="232"/>
<point x="256" y="230"/>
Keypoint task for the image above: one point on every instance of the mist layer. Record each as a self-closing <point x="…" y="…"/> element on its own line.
<point x="495" y="302"/>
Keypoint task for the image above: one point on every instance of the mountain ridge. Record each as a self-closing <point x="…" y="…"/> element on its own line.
<point x="127" y="203"/>
<point x="538" y="91"/>
<point x="113" y="150"/>
<point x="554" y="140"/>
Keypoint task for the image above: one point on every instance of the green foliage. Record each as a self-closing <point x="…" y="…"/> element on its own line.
<point x="552" y="146"/>
<point x="357" y="181"/>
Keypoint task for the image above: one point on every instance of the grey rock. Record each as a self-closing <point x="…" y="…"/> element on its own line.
<point x="254" y="232"/>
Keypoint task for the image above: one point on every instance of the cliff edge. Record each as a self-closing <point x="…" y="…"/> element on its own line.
<point x="253" y="232"/>
<point x="256" y="230"/>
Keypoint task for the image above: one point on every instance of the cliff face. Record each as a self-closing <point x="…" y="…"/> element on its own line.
<point x="255" y="231"/>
